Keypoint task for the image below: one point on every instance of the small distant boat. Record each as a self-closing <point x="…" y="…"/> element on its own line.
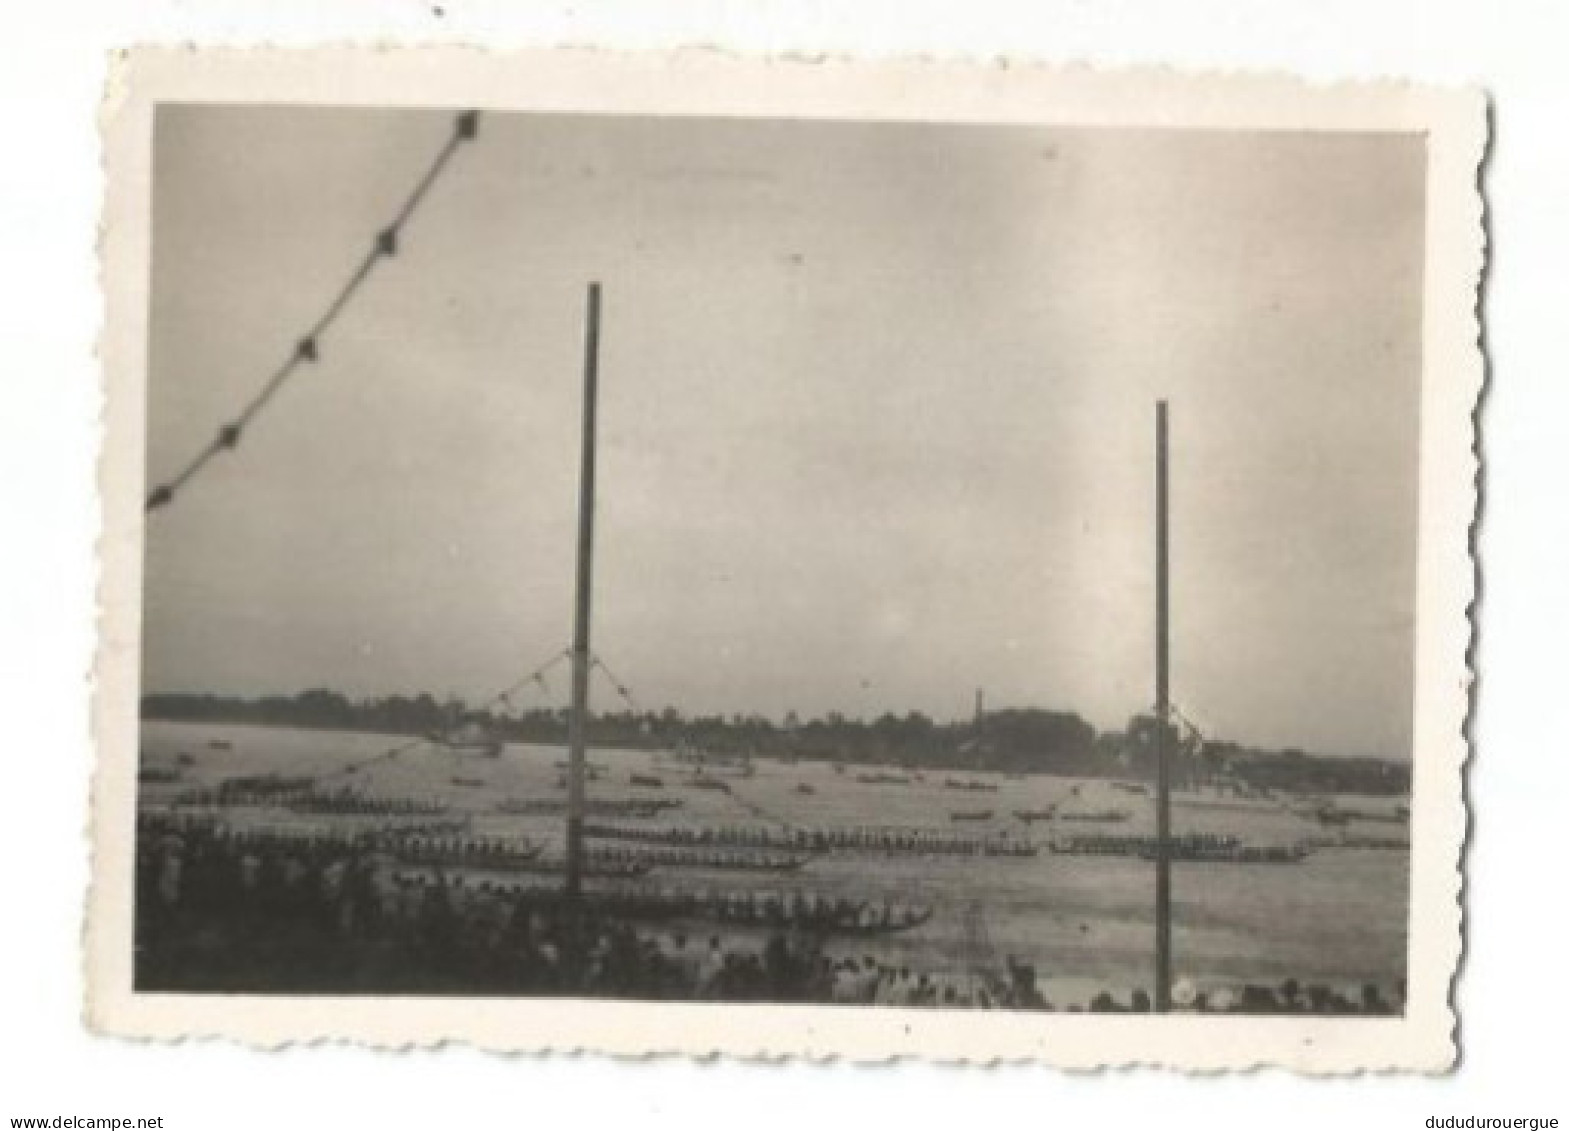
<point x="1223" y="804"/>
<point x="881" y="778"/>
<point x="804" y="787"/>
<point x="1394" y="842"/>
<point x="1030" y="815"/>
<point x="648" y="781"/>
<point x="974" y="786"/>
<point x="219" y="744"/>
<point x="1374" y="816"/>
<point x="1330" y="816"/>
<point x="469" y="738"/>
<point x="1108" y="816"/>
<point x="1231" y="853"/>
<point x="472" y="783"/>
<point x="970" y="815"/>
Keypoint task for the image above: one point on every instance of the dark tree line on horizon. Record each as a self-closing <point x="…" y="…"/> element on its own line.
<point x="1015" y="740"/>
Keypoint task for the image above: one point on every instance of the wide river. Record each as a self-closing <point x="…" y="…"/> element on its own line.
<point x="1338" y="917"/>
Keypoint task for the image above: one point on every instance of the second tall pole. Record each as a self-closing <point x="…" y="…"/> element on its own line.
<point x="1162" y="713"/>
<point x="582" y="658"/>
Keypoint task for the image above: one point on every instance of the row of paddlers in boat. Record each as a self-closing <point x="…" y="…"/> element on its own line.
<point x="433" y="843"/>
<point x="882" y="777"/>
<point x="871" y="838"/>
<point x="661" y="857"/>
<point x="217" y="823"/>
<point x="1215" y="848"/>
<point x="347" y="799"/>
<point x="807" y="911"/>
<point x="593" y="806"/>
<point x="308" y="798"/>
<point x="1030" y="816"/>
<point x="601" y="860"/>
<point x="699" y="780"/>
<point x="264" y="789"/>
<point x="1361" y="840"/>
<point x="466" y="852"/>
<point x="1054" y="812"/>
<point x="1099" y="816"/>
<point x="619" y="861"/>
<point x="966" y="784"/>
<point x="364" y="828"/>
<point x="181" y="864"/>
<point x="596" y="865"/>
<point x="1354" y="840"/>
<point x="380" y="835"/>
<point x="259" y="789"/>
<point x="433" y="846"/>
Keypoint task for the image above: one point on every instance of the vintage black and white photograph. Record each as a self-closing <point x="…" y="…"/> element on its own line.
<point x="858" y="562"/>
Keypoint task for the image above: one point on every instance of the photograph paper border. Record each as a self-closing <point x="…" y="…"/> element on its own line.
<point x="710" y="83"/>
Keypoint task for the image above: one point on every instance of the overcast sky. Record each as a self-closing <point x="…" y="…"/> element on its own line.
<point x="877" y="414"/>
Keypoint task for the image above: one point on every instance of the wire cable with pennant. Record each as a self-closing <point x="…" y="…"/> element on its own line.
<point x="307" y="349"/>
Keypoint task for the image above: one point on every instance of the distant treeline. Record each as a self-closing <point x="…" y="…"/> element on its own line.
<point x="1026" y="740"/>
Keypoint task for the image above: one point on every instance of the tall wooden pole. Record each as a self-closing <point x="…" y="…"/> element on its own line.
<point x="1162" y="713"/>
<point x="581" y="657"/>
